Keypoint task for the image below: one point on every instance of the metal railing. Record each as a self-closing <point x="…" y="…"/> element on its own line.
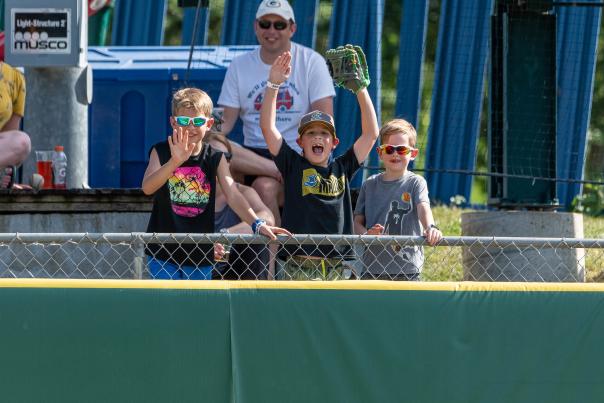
<point x="322" y="257"/>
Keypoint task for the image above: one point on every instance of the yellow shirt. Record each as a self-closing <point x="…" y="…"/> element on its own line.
<point x="12" y="93"/>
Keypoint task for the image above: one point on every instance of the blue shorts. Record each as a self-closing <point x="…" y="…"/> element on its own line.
<point x="162" y="270"/>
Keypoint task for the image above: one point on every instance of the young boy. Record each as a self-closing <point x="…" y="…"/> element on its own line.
<point x="182" y="176"/>
<point x="395" y="202"/>
<point x="317" y="193"/>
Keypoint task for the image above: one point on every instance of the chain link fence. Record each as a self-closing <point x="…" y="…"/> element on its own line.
<point x="302" y="257"/>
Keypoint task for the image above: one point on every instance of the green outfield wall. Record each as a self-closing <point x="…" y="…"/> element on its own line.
<point x="356" y="341"/>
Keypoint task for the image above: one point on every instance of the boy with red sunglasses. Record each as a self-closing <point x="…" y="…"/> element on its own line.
<point x="395" y="202"/>
<point x="181" y="176"/>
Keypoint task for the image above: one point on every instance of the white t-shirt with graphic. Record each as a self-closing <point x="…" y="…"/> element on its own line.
<point x="244" y="85"/>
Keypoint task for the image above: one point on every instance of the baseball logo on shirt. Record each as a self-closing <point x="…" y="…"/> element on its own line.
<point x="314" y="183"/>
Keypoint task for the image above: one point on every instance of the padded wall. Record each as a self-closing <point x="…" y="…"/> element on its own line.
<point x="356" y="341"/>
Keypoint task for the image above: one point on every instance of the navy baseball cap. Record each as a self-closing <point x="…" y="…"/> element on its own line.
<point x="317" y="117"/>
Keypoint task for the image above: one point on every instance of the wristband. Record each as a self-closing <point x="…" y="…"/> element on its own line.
<point x="257" y="224"/>
<point x="432" y="226"/>
<point x="272" y="85"/>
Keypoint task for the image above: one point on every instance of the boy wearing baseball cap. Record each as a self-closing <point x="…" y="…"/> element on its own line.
<point x="309" y="88"/>
<point x="317" y="192"/>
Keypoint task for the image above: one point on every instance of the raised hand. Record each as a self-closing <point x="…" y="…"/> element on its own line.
<point x="180" y="149"/>
<point x="281" y="68"/>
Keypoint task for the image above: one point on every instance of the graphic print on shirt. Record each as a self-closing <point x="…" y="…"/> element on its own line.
<point x="314" y="183"/>
<point x="394" y="218"/>
<point x="189" y="191"/>
<point x="287" y="104"/>
<point x="285" y="101"/>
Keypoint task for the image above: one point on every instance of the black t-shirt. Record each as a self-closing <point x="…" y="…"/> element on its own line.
<point x="185" y="204"/>
<point x="317" y="199"/>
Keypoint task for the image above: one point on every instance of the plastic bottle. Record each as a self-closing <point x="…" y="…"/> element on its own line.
<point x="59" y="168"/>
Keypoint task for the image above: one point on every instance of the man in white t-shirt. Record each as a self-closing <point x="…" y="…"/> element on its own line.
<point x="309" y="87"/>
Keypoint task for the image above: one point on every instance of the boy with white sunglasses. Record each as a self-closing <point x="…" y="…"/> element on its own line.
<point x="181" y="175"/>
<point x="395" y="202"/>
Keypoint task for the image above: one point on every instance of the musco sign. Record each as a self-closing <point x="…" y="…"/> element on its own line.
<point x="41" y="31"/>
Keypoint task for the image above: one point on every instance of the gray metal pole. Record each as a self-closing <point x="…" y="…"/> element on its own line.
<point x="57" y="114"/>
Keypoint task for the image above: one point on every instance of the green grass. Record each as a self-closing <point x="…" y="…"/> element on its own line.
<point x="445" y="263"/>
<point x="593" y="227"/>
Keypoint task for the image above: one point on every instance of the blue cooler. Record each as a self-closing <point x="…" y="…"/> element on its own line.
<point x="130" y="110"/>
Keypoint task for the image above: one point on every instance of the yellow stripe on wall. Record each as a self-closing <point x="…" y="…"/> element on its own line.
<point x="467" y="286"/>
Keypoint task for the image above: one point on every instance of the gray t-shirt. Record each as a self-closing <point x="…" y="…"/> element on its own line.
<point x="394" y="205"/>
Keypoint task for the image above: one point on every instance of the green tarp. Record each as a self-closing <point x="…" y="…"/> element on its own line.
<point x="358" y="343"/>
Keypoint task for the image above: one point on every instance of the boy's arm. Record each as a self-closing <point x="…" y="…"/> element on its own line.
<point x="256" y="204"/>
<point x="239" y="204"/>
<point x="431" y="232"/>
<point x="280" y="71"/>
<point x="156" y="174"/>
<point x="259" y="208"/>
<point x="360" y="229"/>
<point x="369" y="126"/>
<point x="359" y="224"/>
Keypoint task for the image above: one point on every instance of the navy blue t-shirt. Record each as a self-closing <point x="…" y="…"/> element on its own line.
<point x="317" y="199"/>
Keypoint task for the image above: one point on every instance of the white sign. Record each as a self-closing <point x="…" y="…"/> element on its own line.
<point x="41" y="31"/>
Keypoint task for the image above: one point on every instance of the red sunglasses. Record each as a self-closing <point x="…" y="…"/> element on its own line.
<point x="400" y="150"/>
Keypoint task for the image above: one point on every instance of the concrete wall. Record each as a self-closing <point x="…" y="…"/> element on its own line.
<point x="513" y="263"/>
<point x="75" y="222"/>
<point x="69" y="260"/>
<point x="95" y="211"/>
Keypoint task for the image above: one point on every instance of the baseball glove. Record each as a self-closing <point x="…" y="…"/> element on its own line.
<point x="348" y="67"/>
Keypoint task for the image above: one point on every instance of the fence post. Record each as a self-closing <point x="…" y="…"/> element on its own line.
<point x="138" y="247"/>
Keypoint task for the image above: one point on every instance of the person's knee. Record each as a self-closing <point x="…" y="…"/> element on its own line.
<point x="21" y="146"/>
<point x="267" y="188"/>
<point x="16" y="146"/>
